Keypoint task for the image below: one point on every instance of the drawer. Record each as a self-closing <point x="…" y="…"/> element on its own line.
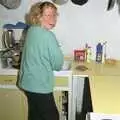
<point x="61" y="82"/>
<point x="11" y="79"/>
<point x="8" y="79"/>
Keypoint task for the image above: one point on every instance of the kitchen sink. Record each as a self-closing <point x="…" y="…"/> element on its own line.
<point x="67" y="65"/>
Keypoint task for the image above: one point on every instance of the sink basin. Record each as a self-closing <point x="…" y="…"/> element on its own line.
<point x="66" y="69"/>
<point x="67" y="65"/>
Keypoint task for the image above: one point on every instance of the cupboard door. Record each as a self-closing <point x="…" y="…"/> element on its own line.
<point x="58" y="100"/>
<point x="8" y="79"/>
<point x="11" y="105"/>
<point x="62" y="81"/>
<point x="61" y="99"/>
<point x="105" y="94"/>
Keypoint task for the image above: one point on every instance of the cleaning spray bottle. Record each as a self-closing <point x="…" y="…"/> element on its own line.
<point x="99" y="53"/>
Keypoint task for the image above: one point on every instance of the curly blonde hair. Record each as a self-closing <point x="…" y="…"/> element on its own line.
<point x="37" y="10"/>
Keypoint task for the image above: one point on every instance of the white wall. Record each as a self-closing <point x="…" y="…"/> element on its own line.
<point x="77" y="25"/>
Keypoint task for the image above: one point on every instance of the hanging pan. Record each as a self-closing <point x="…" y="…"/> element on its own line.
<point x="111" y="4"/>
<point x="79" y="2"/>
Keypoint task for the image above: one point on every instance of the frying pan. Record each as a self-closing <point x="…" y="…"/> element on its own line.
<point x="10" y="4"/>
<point x="79" y="2"/>
<point x="60" y="2"/>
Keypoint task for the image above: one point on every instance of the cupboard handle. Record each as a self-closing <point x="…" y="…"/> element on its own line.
<point x="8" y="80"/>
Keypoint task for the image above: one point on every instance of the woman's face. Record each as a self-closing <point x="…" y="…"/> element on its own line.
<point x="49" y="18"/>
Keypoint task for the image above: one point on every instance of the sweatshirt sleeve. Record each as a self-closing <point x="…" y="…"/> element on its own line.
<point x="55" y="53"/>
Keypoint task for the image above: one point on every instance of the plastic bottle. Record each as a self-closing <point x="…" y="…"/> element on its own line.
<point x="104" y="52"/>
<point x="89" y="53"/>
<point x="99" y="53"/>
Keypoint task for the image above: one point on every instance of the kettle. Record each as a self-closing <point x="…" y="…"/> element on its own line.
<point x="8" y="39"/>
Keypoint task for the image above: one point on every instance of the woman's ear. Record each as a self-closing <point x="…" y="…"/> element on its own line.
<point x="39" y="17"/>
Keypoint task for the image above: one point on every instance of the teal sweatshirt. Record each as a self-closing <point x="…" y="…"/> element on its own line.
<point x="40" y="57"/>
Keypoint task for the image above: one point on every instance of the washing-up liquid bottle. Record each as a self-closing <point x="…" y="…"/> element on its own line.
<point x="89" y="54"/>
<point x="99" y="53"/>
<point x="104" y="52"/>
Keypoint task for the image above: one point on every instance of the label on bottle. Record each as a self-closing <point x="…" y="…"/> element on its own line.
<point x="98" y="57"/>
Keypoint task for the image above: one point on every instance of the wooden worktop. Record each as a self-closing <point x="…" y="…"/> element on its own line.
<point x="93" y="69"/>
<point x="97" y="69"/>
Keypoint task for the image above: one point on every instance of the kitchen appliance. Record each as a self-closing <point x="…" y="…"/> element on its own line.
<point x="12" y="44"/>
<point x="8" y="40"/>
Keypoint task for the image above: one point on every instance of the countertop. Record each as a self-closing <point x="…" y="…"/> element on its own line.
<point x="94" y="68"/>
<point x="91" y="69"/>
<point x="12" y="71"/>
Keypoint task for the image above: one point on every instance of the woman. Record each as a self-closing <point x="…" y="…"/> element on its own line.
<point x="40" y="57"/>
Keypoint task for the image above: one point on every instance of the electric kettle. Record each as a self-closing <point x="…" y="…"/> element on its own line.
<point x="8" y="39"/>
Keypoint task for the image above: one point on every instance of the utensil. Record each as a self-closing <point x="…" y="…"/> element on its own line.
<point x="60" y="2"/>
<point x="111" y="4"/>
<point x="10" y="4"/>
<point x="79" y="2"/>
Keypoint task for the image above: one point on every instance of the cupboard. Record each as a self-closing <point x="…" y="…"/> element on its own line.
<point x="13" y="103"/>
<point x="12" y="100"/>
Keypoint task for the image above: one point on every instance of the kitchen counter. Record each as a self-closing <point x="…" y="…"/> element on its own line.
<point x="104" y="80"/>
<point x="93" y="69"/>
<point x="8" y="71"/>
<point x="12" y="71"/>
<point x="8" y="78"/>
<point x="102" y="88"/>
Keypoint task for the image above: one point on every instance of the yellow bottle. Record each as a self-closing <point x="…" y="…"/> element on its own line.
<point x="88" y="55"/>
